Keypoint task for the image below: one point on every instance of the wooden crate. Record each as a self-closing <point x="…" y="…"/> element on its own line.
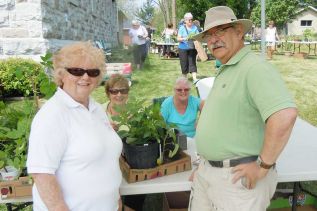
<point x="136" y="175"/>
<point x="16" y="188"/>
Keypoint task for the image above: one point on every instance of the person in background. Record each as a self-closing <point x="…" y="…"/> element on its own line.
<point x="245" y="124"/>
<point x="117" y="90"/>
<point x="72" y="141"/>
<point x="182" y="108"/>
<point x="168" y="33"/>
<point x="149" y="38"/>
<point x="197" y="24"/>
<point x="138" y="35"/>
<point x="271" y="37"/>
<point x="187" y="51"/>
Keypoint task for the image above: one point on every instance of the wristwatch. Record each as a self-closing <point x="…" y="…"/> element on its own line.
<point x="262" y="164"/>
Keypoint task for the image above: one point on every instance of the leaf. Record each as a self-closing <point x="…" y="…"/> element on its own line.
<point x="174" y="152"/>
<point x="2" y="164"/>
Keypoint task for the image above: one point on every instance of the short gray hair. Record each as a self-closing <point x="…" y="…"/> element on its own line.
<point x="188" y="15"/>
<point x="135" y="22"/>
<point x="184" y="80"/>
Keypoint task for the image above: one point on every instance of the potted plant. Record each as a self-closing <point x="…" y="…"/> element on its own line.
<point x="148" y="138"/>
<point x="15" y="125"/>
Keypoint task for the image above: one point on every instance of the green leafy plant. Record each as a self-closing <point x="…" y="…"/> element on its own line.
<point x="146" y="125"/>
<point x="308" y="34"/>
<point x="15" y="122"/>
<point x="15" y="126"/>
<point x="25" y="77"/>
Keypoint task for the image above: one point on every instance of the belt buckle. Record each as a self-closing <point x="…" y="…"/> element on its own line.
<point x="226" y="163"/>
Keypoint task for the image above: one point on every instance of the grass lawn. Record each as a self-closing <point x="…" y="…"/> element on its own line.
<point x="158" y="77"/>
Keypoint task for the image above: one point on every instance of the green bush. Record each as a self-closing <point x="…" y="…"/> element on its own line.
<point x="17" y="76"/>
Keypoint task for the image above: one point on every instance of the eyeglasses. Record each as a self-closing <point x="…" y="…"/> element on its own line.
<point x="182" y="90"/>
<point x="190" y="20"/>
<point x="116" y="91"/>
<point x="80" y="72"/>
<point x="217" y="33"/>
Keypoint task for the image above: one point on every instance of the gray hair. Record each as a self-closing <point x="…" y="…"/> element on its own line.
<point x="184" y="80"/>
<point x="135" y="22"/>
<point x="188" y="15"/>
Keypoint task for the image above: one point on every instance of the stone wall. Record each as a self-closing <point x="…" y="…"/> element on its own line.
<point x="28" y="28"/>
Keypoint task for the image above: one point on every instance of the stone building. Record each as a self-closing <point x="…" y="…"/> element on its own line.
<point x="28" y="28"/>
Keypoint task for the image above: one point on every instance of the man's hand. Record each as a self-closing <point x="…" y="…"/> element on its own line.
<point x="250" y="173"/>
<point x="191" y="177"/>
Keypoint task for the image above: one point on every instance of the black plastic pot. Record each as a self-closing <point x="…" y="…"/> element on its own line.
<point x="141" y="156"/>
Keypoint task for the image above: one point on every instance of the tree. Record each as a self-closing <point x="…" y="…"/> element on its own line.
<point x="146" y="12"/>
<point x="129" y="7"/>
<point x="198" y="8"/>
<point x="279" y="11"/>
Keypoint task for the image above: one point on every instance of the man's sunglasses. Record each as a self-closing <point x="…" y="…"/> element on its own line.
<point x="80" y="72"/>
<point x="116" y="91"/>
<point x="182" y="90"/>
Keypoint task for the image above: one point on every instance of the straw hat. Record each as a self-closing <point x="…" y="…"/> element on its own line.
<point x="217" y="16"/>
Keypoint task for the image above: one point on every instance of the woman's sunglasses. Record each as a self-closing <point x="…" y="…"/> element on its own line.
<point x="182" y="90"/>
<point x="80" y="72"/>
<point x="116" y="91"/>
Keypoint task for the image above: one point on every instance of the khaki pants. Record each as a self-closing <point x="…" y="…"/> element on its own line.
<point x="213" y="189"/>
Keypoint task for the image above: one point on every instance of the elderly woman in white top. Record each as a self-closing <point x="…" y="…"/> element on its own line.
<point x="138" y="35"/>
<point x="73" y="151"/>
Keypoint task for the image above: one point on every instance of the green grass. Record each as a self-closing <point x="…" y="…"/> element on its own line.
<point x="158" y="77"/>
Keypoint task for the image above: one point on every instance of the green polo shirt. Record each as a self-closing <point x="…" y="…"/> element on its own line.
<point x="246" y="91"/>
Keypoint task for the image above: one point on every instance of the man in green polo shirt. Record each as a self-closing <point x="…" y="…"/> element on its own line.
<point x="245" y="124"/>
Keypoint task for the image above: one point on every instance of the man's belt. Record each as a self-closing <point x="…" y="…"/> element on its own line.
<point x="232" y="163"/>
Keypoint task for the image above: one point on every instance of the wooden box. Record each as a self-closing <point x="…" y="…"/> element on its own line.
<point x="16" y="188"/>
<point x="136" y="175"/>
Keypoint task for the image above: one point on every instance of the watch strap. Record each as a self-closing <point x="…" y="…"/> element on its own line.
<point x="264" y="165"/>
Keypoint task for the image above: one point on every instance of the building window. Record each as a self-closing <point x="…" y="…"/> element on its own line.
<point x="306" y="23"/>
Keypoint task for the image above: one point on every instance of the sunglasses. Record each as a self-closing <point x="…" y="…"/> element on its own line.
<point x="116" y="91"/>
<point x="80" y="72"/>
<point x="182" y="90"/>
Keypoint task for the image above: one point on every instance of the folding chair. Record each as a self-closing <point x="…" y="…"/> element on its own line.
<point x="203" y="87"/>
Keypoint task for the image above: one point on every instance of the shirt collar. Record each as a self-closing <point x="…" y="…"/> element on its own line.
<point x="70" y="102"/>
<point x="236" y="58"/>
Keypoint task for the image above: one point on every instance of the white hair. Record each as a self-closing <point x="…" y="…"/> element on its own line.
<point x="183" y="80"/>
<point x="188" y="15"/>
<point x="135" y="22"/>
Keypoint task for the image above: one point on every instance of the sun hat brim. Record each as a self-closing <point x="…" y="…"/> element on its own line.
<point x="247" y="25"/>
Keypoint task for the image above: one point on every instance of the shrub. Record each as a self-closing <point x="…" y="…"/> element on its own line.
<point x="17" y="76"/>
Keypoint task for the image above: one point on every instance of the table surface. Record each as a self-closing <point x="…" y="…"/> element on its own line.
<point x="296" y="163"/>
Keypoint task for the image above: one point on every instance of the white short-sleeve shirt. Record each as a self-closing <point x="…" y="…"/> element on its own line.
<point x="80" y="147"/>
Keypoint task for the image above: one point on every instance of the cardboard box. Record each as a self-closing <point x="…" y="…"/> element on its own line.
<point x="176" y="201"/>
<point x="16" y="188"/>
<point x="136" y="175"/>
<point x="124" y="69"/>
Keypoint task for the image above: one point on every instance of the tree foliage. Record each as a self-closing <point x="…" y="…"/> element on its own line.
<point x="280" y="11"/>
<point x="146" y="12"/>
<point x="198" y="8"/>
